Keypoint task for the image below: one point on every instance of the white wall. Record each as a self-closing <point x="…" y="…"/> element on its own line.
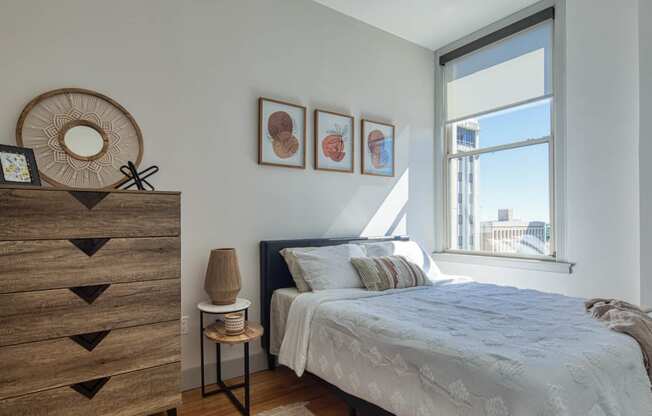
<point x="190" y="72"/>
<point x="601" y="158"/>
<point x="645" y="146"/>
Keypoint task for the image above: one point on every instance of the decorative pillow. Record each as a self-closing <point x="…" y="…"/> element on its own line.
<point x="389" y="272"/>
<point x="328" y="267"/>
<point x="295" y="270"/>
<point x="409" y="249"/>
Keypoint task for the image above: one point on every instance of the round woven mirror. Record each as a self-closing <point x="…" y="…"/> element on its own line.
<point x="80" y="138"/>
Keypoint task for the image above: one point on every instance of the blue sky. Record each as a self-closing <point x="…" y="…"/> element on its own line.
<point x="518" y="178"/>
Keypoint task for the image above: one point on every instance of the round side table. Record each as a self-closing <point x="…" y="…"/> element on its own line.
<point x="217" y="334"/>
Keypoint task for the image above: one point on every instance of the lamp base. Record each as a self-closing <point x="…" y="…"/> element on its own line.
<point x="223" y="297"/>
<point x="223" y="303"/>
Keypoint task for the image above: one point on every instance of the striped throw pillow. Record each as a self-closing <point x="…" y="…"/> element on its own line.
<point x="389" y="272"/>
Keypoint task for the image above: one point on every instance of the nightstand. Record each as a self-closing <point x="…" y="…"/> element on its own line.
<point x="217" y="334"/>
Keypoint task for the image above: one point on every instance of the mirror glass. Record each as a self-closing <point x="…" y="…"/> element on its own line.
<point x="84" y="141"/>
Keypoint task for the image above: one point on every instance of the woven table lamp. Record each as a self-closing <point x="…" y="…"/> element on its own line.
<point x="222" y="276"/>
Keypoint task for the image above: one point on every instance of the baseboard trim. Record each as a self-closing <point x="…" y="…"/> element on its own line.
<point x="191" y="377"/>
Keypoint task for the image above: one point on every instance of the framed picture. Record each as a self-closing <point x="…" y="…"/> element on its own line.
<point x="18" y="166"/>
<point x="281" y="134"/>
<point x="377" y="148"/>
<point x="334" y="139"/>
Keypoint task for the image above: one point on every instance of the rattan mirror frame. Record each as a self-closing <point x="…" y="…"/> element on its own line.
<point x="78" y="106"/>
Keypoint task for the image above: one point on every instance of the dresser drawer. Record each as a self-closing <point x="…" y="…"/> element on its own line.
<point x="44" y="214"/>
<point x="37" y="366"/>
<point x="47" y="314"/>
<point x="134" y="394"/>
<point x="52" y="264"/>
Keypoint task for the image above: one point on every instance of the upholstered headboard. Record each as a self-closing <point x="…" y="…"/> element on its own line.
<point x="274" y="273"/>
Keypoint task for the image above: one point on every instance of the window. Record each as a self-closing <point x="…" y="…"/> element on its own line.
<point x="498" y="132"/>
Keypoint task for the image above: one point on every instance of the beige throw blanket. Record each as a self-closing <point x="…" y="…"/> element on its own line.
<point x="628" y="319"/>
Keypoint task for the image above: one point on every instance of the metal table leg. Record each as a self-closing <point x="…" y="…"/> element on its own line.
<point x="218" y="362"/>
<point x="246" y="378"/>
<point x="243" y="408"/>
<point x="201" y="343"/>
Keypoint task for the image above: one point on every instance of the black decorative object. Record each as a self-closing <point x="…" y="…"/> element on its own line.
<point x="18" y="166"/>
<point x="89" y="246"/>
<point x="90" y="388"/>
<point x="89" y="199"/>
<point x="135" y="178"/>
<point x="90" y="341"/>
<point x="89" y="293"/>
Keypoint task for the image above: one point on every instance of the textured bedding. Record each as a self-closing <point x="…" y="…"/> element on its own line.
<point x="467" y="349"/>
<point x="280" y="308"/>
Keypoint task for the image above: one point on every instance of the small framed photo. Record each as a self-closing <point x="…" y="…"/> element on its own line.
<point x="377" y="148"/>
<point x="281" y="134"/>
<point x="334" y="140"/>
<point x="18" y="166"/>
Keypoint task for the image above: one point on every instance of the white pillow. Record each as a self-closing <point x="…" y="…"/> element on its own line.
<point x="295" y="270"/>
<point x="408" y="249"/>
<point x="328" y="267"/>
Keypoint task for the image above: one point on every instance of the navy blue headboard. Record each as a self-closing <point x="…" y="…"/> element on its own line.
<point x="274" y="273"/>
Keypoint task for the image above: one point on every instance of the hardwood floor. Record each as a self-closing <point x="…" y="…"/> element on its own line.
<point x="269" y="389"/>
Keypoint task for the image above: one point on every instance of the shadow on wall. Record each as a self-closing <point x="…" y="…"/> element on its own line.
<point x="391" y="217"/>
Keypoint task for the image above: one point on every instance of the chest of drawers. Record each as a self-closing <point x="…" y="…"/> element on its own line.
<point x="89" y="302"/>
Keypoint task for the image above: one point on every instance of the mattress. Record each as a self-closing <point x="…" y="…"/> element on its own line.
<point x="467" y="349"/>
<point x="279" y="309"/>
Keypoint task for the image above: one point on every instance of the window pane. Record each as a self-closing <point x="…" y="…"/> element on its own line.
<point x="513" y="70"/>
<point x="505" y="209"/>
<point x="530" y="121"/>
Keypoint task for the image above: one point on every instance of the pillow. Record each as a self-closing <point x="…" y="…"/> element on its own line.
<point x="329" y="267"/>
<point x="389" y="272"/>
<point x="295" y="270"/>
<point x="411" y="250"/>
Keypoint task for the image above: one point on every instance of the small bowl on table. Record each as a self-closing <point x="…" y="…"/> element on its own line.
<point x="234" y="323"/>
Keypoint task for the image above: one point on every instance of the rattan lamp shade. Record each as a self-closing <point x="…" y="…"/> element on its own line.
<point x="222" y="276"/>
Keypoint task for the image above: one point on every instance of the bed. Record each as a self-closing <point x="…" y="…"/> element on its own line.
<point x="454" y="348"/>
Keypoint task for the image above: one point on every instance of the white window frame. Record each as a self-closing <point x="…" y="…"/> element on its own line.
<point x="557" y="163"/>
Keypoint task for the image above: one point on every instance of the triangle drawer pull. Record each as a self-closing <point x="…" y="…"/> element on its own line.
<point x="89" y="293"/>
<point x="90" y="388"/>
<point x="91" y="340"/>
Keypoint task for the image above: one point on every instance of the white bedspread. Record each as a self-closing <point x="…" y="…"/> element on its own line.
<point x="279" y="310"/>
<point x="467" y="349"/>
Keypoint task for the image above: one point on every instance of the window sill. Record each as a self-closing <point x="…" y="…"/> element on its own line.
<point x="551" y="266"/>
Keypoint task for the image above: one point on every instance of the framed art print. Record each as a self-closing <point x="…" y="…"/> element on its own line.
<point x="18" y="166"/>
<point x="377" y="148"/>
<point x="281" y="134"/>
<point x="334" y="139"/>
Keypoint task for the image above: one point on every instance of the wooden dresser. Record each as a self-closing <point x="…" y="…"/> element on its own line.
<point x="89" y="302"/>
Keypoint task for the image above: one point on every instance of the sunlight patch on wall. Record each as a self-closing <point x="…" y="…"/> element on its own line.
<point x="391" y="217"/>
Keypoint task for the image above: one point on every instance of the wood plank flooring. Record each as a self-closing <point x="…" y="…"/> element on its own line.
<point x="269" y="389"/>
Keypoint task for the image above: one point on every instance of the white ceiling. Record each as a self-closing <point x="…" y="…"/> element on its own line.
<point x="429" y="23"/>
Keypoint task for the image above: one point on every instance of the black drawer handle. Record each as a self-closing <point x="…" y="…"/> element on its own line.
<point x="89" y="246"/>
<point x="90" y="388"/>
<point x="91" y="340"/>
<point x="89" y="293"/>
<point x="89" y="199"/>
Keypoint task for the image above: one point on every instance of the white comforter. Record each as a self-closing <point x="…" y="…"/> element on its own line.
<point x="467" y="349"/>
